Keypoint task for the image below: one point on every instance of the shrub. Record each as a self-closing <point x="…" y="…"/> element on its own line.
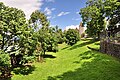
<point x="72" y="36"/>
<point x="4" y="59"/>
<point x="4" y="65"/>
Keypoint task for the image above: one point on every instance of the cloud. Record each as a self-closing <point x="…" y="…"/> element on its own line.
<point x="47" y="11"/>
<point x="53" y="9"/>
<point x="50" y="0"/>
<point x="48" y="17"/>
<point x="77" y="12"/>
<point x="72" y="27"/>
<point x="63" y="13"/>
<point x="28" y="6"/>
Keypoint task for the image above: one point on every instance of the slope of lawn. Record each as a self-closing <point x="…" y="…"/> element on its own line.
<point x="75" y="62"/>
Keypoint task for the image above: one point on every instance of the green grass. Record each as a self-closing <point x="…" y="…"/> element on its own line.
<point x="73" y="63"/>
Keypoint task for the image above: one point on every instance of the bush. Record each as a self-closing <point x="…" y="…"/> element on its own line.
<point x="27" y="59"/>
<point x="72" y="36"/>
<point x="4" y="65"/>
<point x="4" y="59"/>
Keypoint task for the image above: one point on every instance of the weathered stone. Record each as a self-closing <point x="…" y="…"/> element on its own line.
<point x="110" y="48"/>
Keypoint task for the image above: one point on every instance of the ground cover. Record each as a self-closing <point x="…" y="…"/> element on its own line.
<point x="75" y="62"/>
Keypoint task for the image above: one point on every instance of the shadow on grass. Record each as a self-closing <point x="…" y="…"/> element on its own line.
<point x="5" y="78"/>
<point x="94" y="49"/>
<point x="82" y="44"/>
<point x="1" y="78"/>
<point x="86" y="55"/>
<point x="49" y="56"/>
<point x="24" y="70"/>
<point x="97" y="43"/>
<point x="86" y="39"/>
<point x="99" y="68"/>
<point x="65" y="47"/>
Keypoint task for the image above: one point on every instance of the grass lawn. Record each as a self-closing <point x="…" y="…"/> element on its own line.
<point x="73" y="63"/>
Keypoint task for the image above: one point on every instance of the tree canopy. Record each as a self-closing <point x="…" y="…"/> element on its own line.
<point x="15" y="34"/>
<point x="45" y="35"/>
<point x="97" y="12"/>
<point x="72" y="36"/>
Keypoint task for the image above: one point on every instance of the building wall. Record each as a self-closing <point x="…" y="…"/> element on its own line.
<point x="81" y="29"/>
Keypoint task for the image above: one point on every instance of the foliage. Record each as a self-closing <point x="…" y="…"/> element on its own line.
<point x="113" y="15"/>
<point x="44" y="34"/>
<point x="12" y="25"/>
<point x="39" y="18"/>
<point x="28" y="59"/>
<point x="4" y="59"/>
<point x="72" y="36"/>
<point x="48" y="40"/>
<point x="96" y="12"/>
<point x="59" y="34"/>
<point x="5" y="71"/>
<point x="79" y="61"/>
<point x="16" y="36"/>
<point x="52" y="41"/>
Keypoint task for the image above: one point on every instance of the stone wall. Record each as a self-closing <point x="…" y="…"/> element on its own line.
<point x="110" y="48"/>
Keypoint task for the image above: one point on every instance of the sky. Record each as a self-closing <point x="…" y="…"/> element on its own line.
<point x="64" y="13"/>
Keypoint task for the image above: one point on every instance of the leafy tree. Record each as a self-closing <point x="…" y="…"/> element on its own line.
<point x="50" y="40"/>
<point x="72" y="36"/>
<point x="4" y="64"/>
<point x="45" y="35"/>
<point x="95" y="13"/>
<point x="92" y="14"/>
<point x="59" y="34"/>
<point x="15" y="37"/>
<point x="4" y="59"/>
<point x="38" y="18"/>
<point x="113" y="13"/>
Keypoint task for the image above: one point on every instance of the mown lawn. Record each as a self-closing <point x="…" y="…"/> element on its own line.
<point x="73" y="63"/>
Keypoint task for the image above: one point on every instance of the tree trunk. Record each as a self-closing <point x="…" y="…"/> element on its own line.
<point x="39" y="57"/>
<point x="43" y="52"/>
<point x="13" y="60"/>
<point x="98" y="36"/>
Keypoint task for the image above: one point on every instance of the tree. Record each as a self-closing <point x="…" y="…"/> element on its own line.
<point x="113" y="14"/>
<point x="45" y="35"/>
<point x="15" y="37"/>
<point x="92" y="15"/>
<point x="40" y="26"/>
<point x="95" y="13"/>
<point x="59" y="34"/>
<point x="4" y="64"/>
<point x="38" y="18"/>
<point x="50" y="40"/>
<point x="72" y="36"/>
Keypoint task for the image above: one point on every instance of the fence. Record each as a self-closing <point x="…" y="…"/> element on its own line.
<point x="110" y="45"/>
<point x="110" y="48"/>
